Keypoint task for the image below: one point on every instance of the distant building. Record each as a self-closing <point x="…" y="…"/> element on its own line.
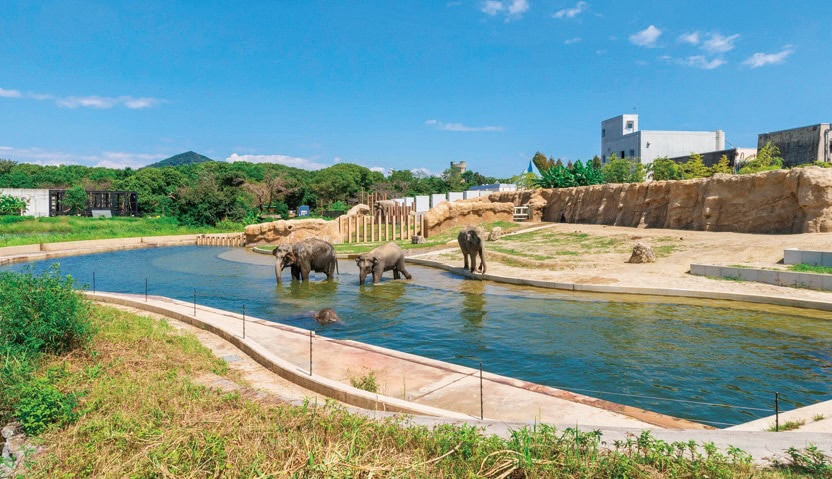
<point x="799" y="146"/>
<point x="621" y="136"/>
<point x="710" y="158"/>
<point x="43" y="202"/>
<point x="459" y="166"/>
<point x="493" y="188"/>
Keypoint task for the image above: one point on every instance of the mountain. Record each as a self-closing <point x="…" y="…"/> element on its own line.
<point x="186" y="158"/>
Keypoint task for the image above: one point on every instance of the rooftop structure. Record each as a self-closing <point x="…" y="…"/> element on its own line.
<point x="621" y="136"/>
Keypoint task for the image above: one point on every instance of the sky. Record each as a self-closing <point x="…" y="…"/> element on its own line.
<point x="398" y="84"/>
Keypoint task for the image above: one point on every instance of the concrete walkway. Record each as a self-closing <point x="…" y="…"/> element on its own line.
<point x="407" y="383"/>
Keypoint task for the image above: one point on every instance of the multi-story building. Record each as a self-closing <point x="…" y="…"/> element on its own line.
<point x="799" y="146"/>
<point x="622" y="137"/>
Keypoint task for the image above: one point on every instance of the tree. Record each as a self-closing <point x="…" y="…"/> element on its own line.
<point x="623" y="170"/>
<point x="695" y="167"/>
<point x="11" y="205"/>
<point x="722" y="166"/>
<point x="541" y="162"/>
<point x="75" y="200"/>
<point x="596" y="162"/>
<point x="768" y="158"/>
<point x="453" y="178"/>
<point x="663" y="169"/>
<point x="525" y="181"/>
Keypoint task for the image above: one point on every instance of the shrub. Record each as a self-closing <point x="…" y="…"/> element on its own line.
<point x="40" y="403"/>
<point x="42" y="314"/>
<point x="11" y="205"/>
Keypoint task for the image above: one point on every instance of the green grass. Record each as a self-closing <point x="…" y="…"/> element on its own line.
<point x="787" y="426"/>
<point x="17" y="230"/>
<point x="807" y="268"/>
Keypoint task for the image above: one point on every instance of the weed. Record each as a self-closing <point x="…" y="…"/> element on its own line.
<point x="366" y="382"/>
<point x="808" y="268"/>
<point x="817" y="417"/>
<point x="788" y="426"/>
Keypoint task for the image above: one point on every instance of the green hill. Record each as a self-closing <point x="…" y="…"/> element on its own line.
<point x="187" y="158"/>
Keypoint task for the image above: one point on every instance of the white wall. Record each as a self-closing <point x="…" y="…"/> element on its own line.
<point x="455" y="195"/>
<point x="422" y="203"/>
<point x="472" y="194"/>
<point x="437" y="198"/>
<point x="37" y="200"/>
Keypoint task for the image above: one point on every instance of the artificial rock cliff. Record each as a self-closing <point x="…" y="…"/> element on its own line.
<point x="282" y="231"/>
<point x="783" y="201"/>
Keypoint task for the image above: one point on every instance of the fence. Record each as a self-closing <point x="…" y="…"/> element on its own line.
<point x="221" y="239"/>
<point x="401" y="225"/>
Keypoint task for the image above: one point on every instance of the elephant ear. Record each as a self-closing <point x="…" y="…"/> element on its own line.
<point x="375" y="260"/>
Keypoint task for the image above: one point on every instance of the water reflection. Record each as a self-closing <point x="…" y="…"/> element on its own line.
<point x="473" y="301"/>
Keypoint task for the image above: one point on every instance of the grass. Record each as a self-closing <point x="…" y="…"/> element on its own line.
<point x="366" y="382"/>
<point x="787" y="426"/>
<point x="808" y="268"/>
<point x="24" y="230"/>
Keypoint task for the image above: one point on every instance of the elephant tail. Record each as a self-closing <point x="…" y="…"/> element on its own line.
<point x="336" y="267"/>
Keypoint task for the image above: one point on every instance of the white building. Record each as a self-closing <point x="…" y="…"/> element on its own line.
<point x="37" y="201"/>
<point x="621" y="136"/>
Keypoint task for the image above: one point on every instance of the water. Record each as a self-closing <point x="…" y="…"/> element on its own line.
<point x="685" y="350"/>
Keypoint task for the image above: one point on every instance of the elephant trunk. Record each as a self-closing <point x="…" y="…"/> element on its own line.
<point x="362" y="275"/>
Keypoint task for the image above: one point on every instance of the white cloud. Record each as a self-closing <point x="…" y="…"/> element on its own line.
<point x="572" y="12"/>
<point x="513" y="9"/>
<point x="692" y="38"/>
<point x="758" y="60"/>
<point x="91" y="101"/>
<point x="647" y="37"/>
<point x="572" y="41"/>
<point x="9" y="93"/>
<point x="380" y="169"/>
<point x="600" y="52"/>
<point x="293" y="161"/>
<point x="107" y="159"/>
<point x="695" y="61"/>
<point x="422" y="172"/>
<point x="460" y="127"/>
<point x="716" y="43"/>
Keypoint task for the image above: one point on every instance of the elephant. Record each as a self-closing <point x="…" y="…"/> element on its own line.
<point x="385" y="207"/>
<point x="384" y="258"/>
<point x="311" y="254"/>
<point x="471" y="240"/>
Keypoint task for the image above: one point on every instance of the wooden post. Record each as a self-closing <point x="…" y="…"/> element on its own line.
<point x="401" y="227"/>
<point x="386" y="222"/>
<point x="372" y="228"/>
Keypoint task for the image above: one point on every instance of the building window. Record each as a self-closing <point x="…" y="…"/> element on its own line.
<point x="629" y="125"/>
<point x="603" y="158"/>
<point x="622" y="154"/>
<point x="632" y="153"/>
<point x="603" y="132"/>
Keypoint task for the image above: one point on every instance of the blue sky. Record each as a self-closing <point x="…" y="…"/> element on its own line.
<point x="395" y="84"/>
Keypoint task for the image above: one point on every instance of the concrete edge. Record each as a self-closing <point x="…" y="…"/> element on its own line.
<point x="813" y="281"/>
<point x="667" y="292"/>
<point x="18" y="254"/>
<point x="291" y="372"/>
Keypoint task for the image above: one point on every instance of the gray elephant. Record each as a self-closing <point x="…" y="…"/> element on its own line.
<point x="385" y="207"/>
<point x="384" y="258"/>
<point x="470" y="240"/>
<point x="311" y="254"/>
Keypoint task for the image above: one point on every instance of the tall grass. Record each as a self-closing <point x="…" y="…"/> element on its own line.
<point x="21" y="230"/>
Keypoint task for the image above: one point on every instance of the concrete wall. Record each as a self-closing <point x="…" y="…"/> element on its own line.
<point x="618" y="139"/>
<point x="819" y="282"/>
<point x="814" y="258"/>
<point x="471" y="194"/>
<point x="455" y="195"/>
<point x="802" y="145"/>
<point x="437" y="198"/>
<point x="422" y="203"/>
<point x="735" y="155"/>
<point x="37" y="200"/>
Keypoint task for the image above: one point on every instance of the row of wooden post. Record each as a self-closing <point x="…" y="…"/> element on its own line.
<point x="231" y="239"/>
<point x="367" y="228"/>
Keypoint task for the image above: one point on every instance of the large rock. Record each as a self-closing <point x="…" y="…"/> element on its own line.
<point x="465" y="212"/>
<point x="642" y="253"/>
<point x="290" y="231"/>
<point x="782" y="201"/>
<point x="359" y="209"/>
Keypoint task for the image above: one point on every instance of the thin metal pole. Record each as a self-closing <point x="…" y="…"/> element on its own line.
<point x="194" y="301"/>
<point x="244" y="321"/>
<point x="93" y="281"/>
<point x="145" y="290"/>
<point x="482" y="415"/>
<point x="310" y="352"/>
<point x="776" y="412"/>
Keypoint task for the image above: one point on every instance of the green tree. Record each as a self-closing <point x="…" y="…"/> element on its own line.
<point x="525" y="180"/>
<point x="695" y="167"/>
<point x="768" y="158"/>
<point x="541" y="162"/>
<point x="11" y="205"/>
<point x="723" y="166"/>
<point x="623" y="170"/>
<point x="662" y="169"/>
<point x="596" y="162"/>
<point x="75" y="200"/>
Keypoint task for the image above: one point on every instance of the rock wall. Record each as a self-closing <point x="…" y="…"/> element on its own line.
<point x="783" y="201"/>
<point x="283" y="231"/>
<point x="465" y="212"/>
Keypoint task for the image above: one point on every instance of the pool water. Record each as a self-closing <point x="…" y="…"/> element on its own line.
<point x="645" y="352"/>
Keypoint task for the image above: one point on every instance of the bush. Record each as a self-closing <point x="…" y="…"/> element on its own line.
<point x="42" y="314"/>
<point x="40" y="403"/>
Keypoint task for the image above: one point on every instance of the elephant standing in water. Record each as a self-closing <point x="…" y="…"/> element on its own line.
<point x="471" y="240"/>
<point x="384" y="258"/>
<point x="311" y="254"/>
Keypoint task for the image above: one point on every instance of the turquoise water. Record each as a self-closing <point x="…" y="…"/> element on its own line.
<point x="627" y="351"/>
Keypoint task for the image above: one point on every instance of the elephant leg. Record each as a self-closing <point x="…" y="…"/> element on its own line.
<point x="305" y="272"/>
<point x="465" y="257"/>
<point x="403" y="270"/>
<point x="295" y="273"/>
<point x="473" y="262"/>
<point x="482" y="263"/>
<point x="396" y="274"/>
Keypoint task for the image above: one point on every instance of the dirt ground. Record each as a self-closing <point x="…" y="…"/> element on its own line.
<point x="598" y="254"/>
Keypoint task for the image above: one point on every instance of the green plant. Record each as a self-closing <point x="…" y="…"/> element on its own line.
<point x="623" y="170"/>
<point x="695" y="167"/>
<point x="810" y="460"/>
<point x="40" y="404"/>
<point x="366" y="382"/>
<point x="75" y="200"/>
<point x="11" y="205"/>
<point x="662" y="169"/>
<point x="808" y="268"/>
<point x="768" y="158"/>
<point x="787" y="426"/>
<point x="817" y="417"/>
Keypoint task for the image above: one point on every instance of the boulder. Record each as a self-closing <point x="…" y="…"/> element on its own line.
<point x="465" y="212"/>
<point x="642" y="253"/>
<point x="495" y="234"/>
<point x="359" y="209"/>
<point x="417" y="239"/>
<point x="291" y="231"/>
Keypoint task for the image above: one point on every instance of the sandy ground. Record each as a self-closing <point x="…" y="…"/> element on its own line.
<point x="608" y="266"/>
